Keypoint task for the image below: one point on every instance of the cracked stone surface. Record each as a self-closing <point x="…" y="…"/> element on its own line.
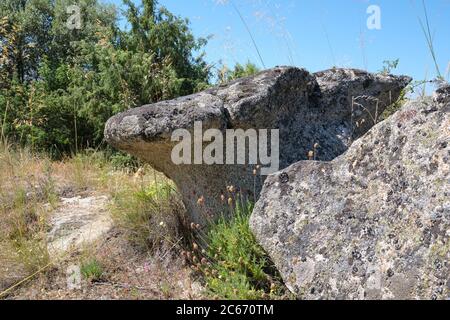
<point x="306" y="108"/>
<point x="375" y="222"/>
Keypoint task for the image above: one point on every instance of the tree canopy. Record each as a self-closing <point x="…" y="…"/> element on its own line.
<point x="59" y="85"/>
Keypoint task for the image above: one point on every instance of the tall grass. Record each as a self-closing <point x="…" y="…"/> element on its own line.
<point x="426" y="29"/>
<point x="249" y="32"/>
<point x="30" y="187"/>
<point x="448" y="72"/>
<point x="26" y="189"/>
<point x="3" y="126"/>
<point x="87" y="170"/>
<point x="362" y="45"/>
<point x="150" y="214"/>
<point x="330" y="46"/>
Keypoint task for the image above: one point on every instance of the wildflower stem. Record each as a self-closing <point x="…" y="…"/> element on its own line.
<point x="249" y="32"/>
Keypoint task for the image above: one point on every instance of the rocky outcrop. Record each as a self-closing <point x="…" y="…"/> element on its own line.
<point x="330" y="108"/>
<point x="375" y="222"/>
<point x="77" y="222"/>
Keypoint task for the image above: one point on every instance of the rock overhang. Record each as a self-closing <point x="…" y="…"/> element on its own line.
<point x="306" y="108"/>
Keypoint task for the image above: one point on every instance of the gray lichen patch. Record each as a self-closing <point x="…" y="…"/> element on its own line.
<point x="375" y="222"/>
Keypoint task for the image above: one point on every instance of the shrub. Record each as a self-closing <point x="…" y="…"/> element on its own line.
<point x="120" y="160"/>
<point x="224" y="74"/>
<point x="389" y="66"/>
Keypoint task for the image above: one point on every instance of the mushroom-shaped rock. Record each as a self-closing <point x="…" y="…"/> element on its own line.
<point x="328" y="110"/>
<point x="375" y="222"/>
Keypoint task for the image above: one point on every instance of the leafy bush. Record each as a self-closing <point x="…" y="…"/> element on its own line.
<point x="389" y="66"/>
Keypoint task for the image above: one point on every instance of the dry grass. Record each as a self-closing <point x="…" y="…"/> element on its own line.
<point x="126" y="274"/>
<point x="145" y="207"/>
<point x="141" y="258"/>
<point x="26" y="194"/>
<point x="448" y="72"/>
<point x="150" y="213"/>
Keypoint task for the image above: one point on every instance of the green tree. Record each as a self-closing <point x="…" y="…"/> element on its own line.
<point x="59" y="86"/>
<point x="239" y="71"/>
<point x="24" y="38"/>
<point x="155" y="30"/>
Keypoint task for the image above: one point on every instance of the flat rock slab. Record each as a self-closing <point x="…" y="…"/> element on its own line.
<point x="330" y="108"/>
<point x="375" y="222"/>
<point x="78" y="221"/>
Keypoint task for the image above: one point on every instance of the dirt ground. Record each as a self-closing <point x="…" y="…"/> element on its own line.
<point x="128" y="274"/>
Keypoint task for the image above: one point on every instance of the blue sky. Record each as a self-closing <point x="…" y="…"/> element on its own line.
<point x="319" y="34"/>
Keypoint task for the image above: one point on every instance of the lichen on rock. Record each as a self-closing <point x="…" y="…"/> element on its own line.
<point x="375" y="222"/>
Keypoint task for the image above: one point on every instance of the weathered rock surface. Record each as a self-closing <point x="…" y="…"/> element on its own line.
<point x="375" y="222"/>
<point x="78" y="221"/>
<point x="306" y="108"/>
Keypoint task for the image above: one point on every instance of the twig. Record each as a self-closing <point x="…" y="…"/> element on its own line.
<point x="374" y="119"/>
<point x="170" y="250"/>
<point x="24" y="280"/>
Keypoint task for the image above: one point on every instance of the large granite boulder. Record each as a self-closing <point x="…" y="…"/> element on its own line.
<point x="330" y="108"/>
<point x="375" y="222"/>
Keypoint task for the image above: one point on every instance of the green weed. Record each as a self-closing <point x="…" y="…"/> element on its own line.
<point x="92" y="270"/>
<point x="232" y="263"/>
